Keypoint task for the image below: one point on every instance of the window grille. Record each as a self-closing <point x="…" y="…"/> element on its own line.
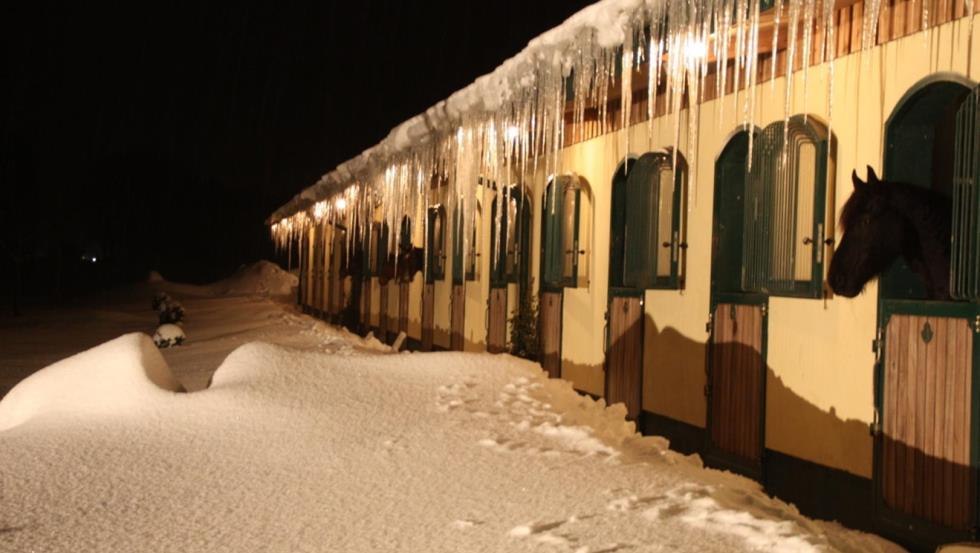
<point x="785" y="196"/>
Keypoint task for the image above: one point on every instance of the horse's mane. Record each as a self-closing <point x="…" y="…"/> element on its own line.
<point x="852" y="209"/>
<point x="925" y="208"/>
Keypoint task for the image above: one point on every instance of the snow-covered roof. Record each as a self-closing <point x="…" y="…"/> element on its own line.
<point x="518" y="110"/>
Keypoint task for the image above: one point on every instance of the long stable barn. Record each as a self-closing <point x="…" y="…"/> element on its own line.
<point x="645" y="175"/>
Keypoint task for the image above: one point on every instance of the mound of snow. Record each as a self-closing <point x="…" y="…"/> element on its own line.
<point x="154" y="276"/>
<point x="262" y="277"/>
<point x="119" y="376"/>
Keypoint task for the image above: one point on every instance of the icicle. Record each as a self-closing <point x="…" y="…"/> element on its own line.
<point x="869" y="30"/>
<point x="752" y="53"/>
<point x="775" y="43"/>
<point x="808" y="16"/>
<point x="793" y="24"/>
<point x="830" y="34"/>
<point x="626" y="86"/>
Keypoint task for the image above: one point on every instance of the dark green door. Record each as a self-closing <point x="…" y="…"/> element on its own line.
<point x="926" y="427"/>
<point x="736" y="367"/>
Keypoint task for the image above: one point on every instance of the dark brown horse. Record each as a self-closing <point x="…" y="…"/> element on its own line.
<point x="883" y="220"/>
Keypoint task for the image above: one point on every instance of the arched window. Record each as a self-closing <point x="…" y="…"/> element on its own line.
<point x="965" y="261"/>
<point x="465" y="266"/>
<point x="405" y="235"/>
<point x="785" y="201"/>
<point x="566" y="227"/>
<point x="380" y="249"/>
<point x="648" y="240"/>
<point x="436" y="247"/>
<point x="510" y="263"/>
<point x="924" y="146"/>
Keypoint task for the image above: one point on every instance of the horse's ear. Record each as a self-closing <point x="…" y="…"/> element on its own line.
<point x="859" y="185"/>
<point x="872" y="176"/>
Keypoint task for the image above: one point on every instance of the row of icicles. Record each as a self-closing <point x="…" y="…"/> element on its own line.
<point x="675" y="39"/>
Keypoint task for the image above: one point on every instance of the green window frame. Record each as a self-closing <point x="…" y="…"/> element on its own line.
<point x="561" y="220"/>
<point x="964" y="273"/>
<point x="384" y="237"/>
<point x="435" y="250"/>
<point x="508" y="263"/>
<point x="785" y="204"/>
<point x="465" y="266"/>
<point x="404" y="244"/>
<point x="649" y="214"/>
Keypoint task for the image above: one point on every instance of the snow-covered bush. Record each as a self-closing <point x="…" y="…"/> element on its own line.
<point x="171" y="312"/>
<point x="169" y="335"/>
<point x="158" y="300"/>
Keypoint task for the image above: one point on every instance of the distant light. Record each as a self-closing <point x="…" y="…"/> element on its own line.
<point x="696" y="49"/>
<point x="341" y="203"/>
<point x="319" y="210"/>
<point x="94" y="259"/>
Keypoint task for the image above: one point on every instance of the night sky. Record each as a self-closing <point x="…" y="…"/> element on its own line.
<point x="162" y="136"/>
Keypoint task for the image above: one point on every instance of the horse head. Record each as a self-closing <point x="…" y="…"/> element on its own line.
<point x="872" y="237"/>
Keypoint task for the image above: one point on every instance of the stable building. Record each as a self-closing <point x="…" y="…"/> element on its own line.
<point x="679" y="263"/>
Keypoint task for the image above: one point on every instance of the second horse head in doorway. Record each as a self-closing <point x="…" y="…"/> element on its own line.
<point x="883" y="220"/>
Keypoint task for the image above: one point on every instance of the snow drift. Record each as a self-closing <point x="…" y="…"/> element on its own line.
<point x="116" y="377"/>
<point x="309" y="440"/>
<point x="262" y="277"/>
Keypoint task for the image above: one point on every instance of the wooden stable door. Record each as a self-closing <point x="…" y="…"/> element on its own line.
<point x="497" y="320"/>
<point x="366" y="304"/>
<point x="736" y="386"/>
<point x="337" y="300"/>
<point x="926" y="420"/>
<point x="384" y="321"/>
<point x="458" y="318"/>
<point x="428" y="315"/>
<point x="550" y="332"/>
<point x="624" y="359"/>
<point x="403" y="288"/>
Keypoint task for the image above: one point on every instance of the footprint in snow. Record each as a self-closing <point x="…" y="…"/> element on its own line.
<point x="611" y="548"/>
<point x="533" y="528"/>
<point x="463" y="524"/>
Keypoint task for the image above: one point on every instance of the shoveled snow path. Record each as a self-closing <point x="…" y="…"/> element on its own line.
<point x="324" y="446"/>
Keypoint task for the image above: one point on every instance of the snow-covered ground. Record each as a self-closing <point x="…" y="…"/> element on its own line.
<point x="312" y="439"/>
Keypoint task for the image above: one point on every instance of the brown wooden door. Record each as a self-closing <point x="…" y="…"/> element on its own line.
<point x="926" y="420"/>
<point x="428" y="315"/>
<point x="319" y="262"/>
<point x="549" y="322"/>
<point x="366" y="305"/>
<point x="497" y="321"/>
<point x="384" y="322"/>
<point x="403" y="306"/>
<point x="458" y="318"/>
<point x="624" y="359"/>
<point x="337" y="299"/>
<point x="736" y="385"/>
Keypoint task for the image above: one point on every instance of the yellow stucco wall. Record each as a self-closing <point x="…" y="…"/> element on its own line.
<point x="819" y="398"/>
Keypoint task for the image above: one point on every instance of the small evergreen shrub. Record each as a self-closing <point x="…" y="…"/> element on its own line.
<point x="524" y="340"/>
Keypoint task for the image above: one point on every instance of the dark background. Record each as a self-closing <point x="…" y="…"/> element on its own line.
<point x="162" y="135"/>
